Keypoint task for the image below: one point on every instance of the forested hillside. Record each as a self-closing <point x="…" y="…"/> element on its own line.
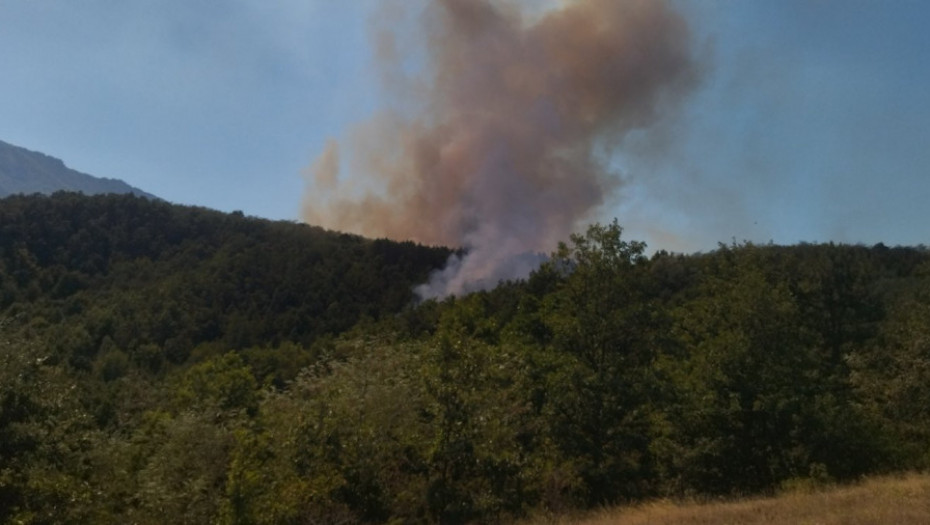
<point x="156" y="282"/>
<point x="171" y="364"/>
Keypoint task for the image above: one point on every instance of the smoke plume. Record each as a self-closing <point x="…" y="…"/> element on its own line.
<point x="499" y="137"/>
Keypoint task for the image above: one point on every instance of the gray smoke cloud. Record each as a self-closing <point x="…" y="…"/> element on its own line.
<point x="500" y="141"/>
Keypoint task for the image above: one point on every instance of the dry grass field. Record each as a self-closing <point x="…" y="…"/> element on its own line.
<point x="900" y="500"/>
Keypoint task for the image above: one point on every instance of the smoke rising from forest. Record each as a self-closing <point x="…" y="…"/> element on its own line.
<point x="498" y="139"/>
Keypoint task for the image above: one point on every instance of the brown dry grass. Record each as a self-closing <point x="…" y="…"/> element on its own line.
<point x="901" y="500"/>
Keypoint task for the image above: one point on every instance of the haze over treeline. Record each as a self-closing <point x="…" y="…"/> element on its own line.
<point x="808" y="120"/>
<point x="500" y="140"/>
<point x="173" y="364"/>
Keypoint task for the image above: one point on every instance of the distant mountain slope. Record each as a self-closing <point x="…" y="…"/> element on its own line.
<point x="24" y="171"/>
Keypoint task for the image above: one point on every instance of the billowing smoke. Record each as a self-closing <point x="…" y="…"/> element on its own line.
<point x="500" y="136"/>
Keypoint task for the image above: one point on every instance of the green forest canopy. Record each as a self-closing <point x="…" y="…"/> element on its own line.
<point x="161" y="363"/>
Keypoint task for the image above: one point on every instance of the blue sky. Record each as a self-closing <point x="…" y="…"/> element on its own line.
<point x="811" y="121"/>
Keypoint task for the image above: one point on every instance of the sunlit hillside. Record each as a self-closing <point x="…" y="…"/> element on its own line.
<point x="903" y="500"/>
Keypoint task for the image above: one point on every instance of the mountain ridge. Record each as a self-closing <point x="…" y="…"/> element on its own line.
<point x="24" y="171"/>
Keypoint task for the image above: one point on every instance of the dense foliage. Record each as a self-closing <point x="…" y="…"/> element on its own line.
<point x="170" y="364"/>
<point x="124" y="278"/>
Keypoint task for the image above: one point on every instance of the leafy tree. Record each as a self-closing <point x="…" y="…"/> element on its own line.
<point x="893" y="374"/>
<point x="603" y="343"/>
<point x="45" y="436"/>
<point x="222" y="385"/>
<point x="754" y="409"/>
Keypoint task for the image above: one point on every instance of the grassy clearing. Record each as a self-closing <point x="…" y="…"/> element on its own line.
<point x="902" y="500"/>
